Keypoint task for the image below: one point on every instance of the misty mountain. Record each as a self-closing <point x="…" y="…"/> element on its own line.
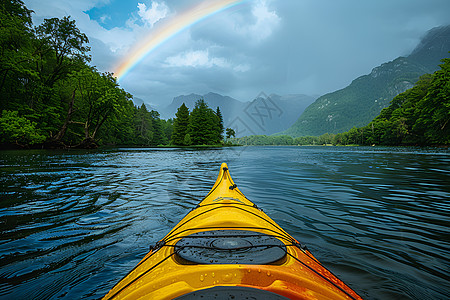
<point x="139" y="101"/>
<point x="363" y="100"/>
<point x="263" y="115"/>
<point x="228" y="106"/>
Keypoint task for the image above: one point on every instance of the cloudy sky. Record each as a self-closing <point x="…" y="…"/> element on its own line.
<point x="272" y="46"/>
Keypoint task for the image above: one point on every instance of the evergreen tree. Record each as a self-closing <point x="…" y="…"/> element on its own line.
<point x="180" y="125"/>
<point x="202" y="128"/>
<point x="158" y="136"/>
<point x="187" y="139"/>
<point x="220" y="127"/>
<point x="144" y="126"/>
<point x="167" y="127"/>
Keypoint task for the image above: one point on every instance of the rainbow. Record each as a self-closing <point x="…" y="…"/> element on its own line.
<point x="170" y="29"/>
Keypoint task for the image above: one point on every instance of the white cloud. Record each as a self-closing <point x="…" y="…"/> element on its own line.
<point x="266" y="21"/>
<point x="196" y="59"/>
<point x="202" y="59"/>
<point x="104" y="18"/>
<point x="152" y="14"/>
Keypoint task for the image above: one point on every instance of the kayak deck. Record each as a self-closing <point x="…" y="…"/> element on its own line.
<point x="227" y="246"/>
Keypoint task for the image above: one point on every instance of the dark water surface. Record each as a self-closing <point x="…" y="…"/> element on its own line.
<point x="74" y="223"/>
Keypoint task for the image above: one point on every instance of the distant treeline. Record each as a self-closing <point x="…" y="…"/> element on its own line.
<point x="51" y="97"/>
<point x="419" y="116"/>
<point x="282" y="140"/>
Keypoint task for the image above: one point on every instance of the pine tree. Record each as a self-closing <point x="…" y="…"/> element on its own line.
<point x="143" y="124"/>
<point x="202" y="125"/>
<point x="180" y="125"/>
<point x="220" y="127"/>
<point x="157" y="128"/>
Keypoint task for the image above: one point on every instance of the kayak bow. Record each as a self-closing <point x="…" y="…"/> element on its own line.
<point x="227" y="248"/>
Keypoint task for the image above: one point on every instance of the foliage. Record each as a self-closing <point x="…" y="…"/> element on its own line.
<point x="51" y="97"/>
<point x="219" y="126"/>
<point x="360" y="102"/>
<point x="230" y="133"/>
<point x="66" y="45"/>
<point x="204" y="125"/>
<point x="201" y="127"/>
<point x="143" y="126"/>
<point x="180" y="126"/>
<point x="187" y="140"/>
<point x="18" y="130"/>
<point x="419" y="116"/>
<point x="283" y="140"/>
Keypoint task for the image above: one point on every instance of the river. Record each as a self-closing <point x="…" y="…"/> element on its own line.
<point x="73" y="223"/>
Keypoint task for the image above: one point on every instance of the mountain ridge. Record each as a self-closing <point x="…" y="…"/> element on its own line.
<point x="266" y="114"/>
<point x="365" y="97"/>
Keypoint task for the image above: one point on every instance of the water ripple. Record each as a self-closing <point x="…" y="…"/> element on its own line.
<point x="74" y="223"/>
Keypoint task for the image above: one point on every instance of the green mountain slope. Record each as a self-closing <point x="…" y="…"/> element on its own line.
<point x="361" y="101"/>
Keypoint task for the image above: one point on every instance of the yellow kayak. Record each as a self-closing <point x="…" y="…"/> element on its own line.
<point x="228" y="248"/>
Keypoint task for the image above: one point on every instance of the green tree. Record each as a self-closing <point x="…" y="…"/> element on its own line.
<point x="230" y="133"/>
<point x="99" y="98"/>
<point x="167" y="128"/>
<point x="122" y="127"/>
<point x="66" y="44"/>
<point x="187" y="140"/>
<point x="219" y="125"/>
<point x="434" y="109"/>
<point x="203" y="124"/>
<point x="144" y="127"/>
<point x="18" y="130"/>
<point x="158" y="136"/>
<point x="180" y="125"/>
<point x="16" y="53"/>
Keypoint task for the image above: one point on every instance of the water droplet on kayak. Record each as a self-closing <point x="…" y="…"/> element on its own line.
<point x="202" y="278"/>
<point x="249" y="270"/>
<point x="227" y="277"/>
<point x="212" y="274"/>
<point x="268" y="273"/>
<point x="259" y="270"/>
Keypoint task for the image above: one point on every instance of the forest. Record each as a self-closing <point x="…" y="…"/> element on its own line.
<point x="51" y="97"/>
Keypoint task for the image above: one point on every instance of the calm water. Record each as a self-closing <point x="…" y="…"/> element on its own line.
<point x="74" y="223"/>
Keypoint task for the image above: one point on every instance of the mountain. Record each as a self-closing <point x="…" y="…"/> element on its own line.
<point x="361" y="101"/>
<point x="266" y="115"/>
<point x="139" y="101"/>
<point x="263" y="115"/>
<point x="228" y="106"/>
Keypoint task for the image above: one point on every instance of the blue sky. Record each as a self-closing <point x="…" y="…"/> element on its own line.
<point x="273" y="46"/>
<point x="112" y="14"/>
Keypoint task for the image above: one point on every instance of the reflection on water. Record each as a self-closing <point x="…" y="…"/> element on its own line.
<point x="74" y="223"/>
